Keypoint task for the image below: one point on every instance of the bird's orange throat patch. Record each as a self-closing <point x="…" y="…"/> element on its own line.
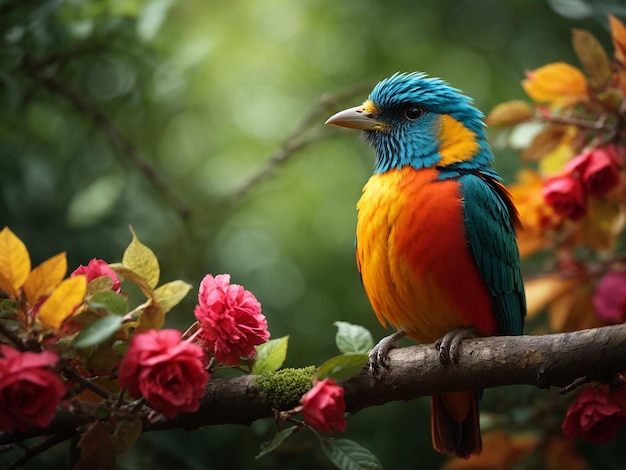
<point x="458" y="143"/>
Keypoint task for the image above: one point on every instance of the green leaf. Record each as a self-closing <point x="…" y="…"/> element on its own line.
<point x="348" y="455"/>
<point x="110" y="301"/>
<point x="170" y="294"/>
<point x="343" y="366"/>
<point x="98" y="331"/>
<point x="279" y="438"/>
<point x="353" y="338"/>
<point x="126" y="434"/>
<point x="270" y="355"/>
<point x="94" y="202"/>
<point x="142" y="260"/>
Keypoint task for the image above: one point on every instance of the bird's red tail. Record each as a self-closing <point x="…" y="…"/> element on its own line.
<point x="455" y="424"/>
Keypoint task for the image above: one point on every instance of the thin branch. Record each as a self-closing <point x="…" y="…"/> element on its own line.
<point x="297" y="140"/>
<point x="116" y="139"/>
<point x="555" y="360"/>
<point x="31" y="452"/>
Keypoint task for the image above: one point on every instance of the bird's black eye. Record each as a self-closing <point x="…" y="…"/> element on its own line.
<point x="412" y="112"/>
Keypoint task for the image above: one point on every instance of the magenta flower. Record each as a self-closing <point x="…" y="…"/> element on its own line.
<point x="168" y="372"/>
<point x="230" y="319"/>
<point x="98" y="268"/>
<point x="609" y="298"/>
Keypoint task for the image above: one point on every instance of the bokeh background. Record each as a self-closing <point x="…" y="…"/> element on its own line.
<point x="200" y="123"/>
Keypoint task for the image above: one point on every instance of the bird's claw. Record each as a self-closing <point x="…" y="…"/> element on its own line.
<point x="449" y="345"/>
<point x="379" y="355"/>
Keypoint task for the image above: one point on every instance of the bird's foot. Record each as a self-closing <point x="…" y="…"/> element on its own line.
<point x="378" y="358"/>
<point x="449" y="345"/>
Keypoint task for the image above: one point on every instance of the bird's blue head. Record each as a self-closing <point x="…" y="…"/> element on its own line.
<point x="411" y="119"/>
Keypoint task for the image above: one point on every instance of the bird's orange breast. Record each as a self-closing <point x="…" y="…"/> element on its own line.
<point x="415" y="262"/>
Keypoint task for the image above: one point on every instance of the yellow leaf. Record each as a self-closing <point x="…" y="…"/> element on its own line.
<point x="558" y="83"/>
<point x="141" y="260"/>
<point x="170" y="294"/>
<point x="511" y="112"/>
<point x="133" y="277"/>
<point x="603" y="225"/>
<point x="14" y="259"/>
<point x="592" y="56"/>
<point x="544" y="290"/>
<point x="45" y="277"/>
<point x="62" y="302"/>
<point x="152" y="318"/>
<point x="573" y="310"/>
<point x="618" y="34"/>
<point x="554" y="161"/>
<point x="545" y="142"/>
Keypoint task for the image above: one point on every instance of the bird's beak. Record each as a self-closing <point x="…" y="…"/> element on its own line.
<point x="359" y="117"/>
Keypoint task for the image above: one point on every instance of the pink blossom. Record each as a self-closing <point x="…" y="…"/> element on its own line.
<point x="323" y="406"/>
<point x="29" y="391"/>
<point x="230" y="319"/>
<point x="609" y="298"/>
<point x="98" y="268"/>
<point x="169" y="373"/>
<point x="565" y="195"/>
<point x="597" y="169"/>
<point x="595" y="414"/>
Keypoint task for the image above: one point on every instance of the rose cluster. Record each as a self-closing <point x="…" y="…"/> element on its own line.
<point x="593" y="173"/>
<point x="596" y="413"/>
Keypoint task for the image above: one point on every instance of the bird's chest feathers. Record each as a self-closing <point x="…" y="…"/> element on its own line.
<point x="412" y="251"/>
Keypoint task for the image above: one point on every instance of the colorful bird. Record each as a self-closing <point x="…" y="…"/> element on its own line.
<point x="436" y="245"/>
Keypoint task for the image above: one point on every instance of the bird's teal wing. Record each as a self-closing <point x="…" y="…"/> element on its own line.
<point x="490" y="219"/>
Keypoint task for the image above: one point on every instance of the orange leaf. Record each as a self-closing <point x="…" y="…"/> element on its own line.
<point x="618" y="34"/>
<point x="45" y="277"/>
<point x="500" y="450"/>
<point x="543" y="290"/>
<point x="592" y="56"/>
<point x="511" y="112"/>
<point x="62" y="302"/>
<point x="558" y="83"/>
<point x="573" y="310"/>
<point x="14" y="260"/>
<point x="544" y="142"/>
<point x="561" y="453"/>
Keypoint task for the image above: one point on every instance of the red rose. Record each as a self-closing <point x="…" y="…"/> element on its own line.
<point x="169" y="373"/>
<point x="565" y="195"/>
<point x="597" y="169"/>
<point x="595" y="414"/>
<point x="98" y="268"/>
<point x="29" y="393"/>
<point x="230" y="318"/>
<point x="609" y="298"/>
<point x="323" y="406"/>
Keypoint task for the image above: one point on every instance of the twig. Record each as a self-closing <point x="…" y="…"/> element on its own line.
<point x="297" y="140"/>
<point x="554" y="360"/>
<point x="115" y="138"/>
<point x="72" y="375"/>
<point x="30" y="452"/>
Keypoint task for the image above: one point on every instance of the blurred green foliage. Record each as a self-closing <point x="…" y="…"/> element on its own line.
<point x="157" y="113"/>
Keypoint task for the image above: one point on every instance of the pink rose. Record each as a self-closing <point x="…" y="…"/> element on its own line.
<point x="609" y="298"/>
<point x="596" y="414"/>
<point x="230" y="319"/>
<point x="29" y="392"/>
<point x="169" y="373"/>
<point x="323" y="406"/>
<point x="597" y="169"/>
<point x="565" y="195"/>
<point x="98" y="268"/>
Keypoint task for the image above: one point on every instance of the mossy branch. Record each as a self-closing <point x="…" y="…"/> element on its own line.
<point x="555" y="360"/>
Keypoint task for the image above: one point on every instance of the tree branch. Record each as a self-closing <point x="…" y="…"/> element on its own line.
<point x="555" y="360"/>
<point x="114" y="137"/>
